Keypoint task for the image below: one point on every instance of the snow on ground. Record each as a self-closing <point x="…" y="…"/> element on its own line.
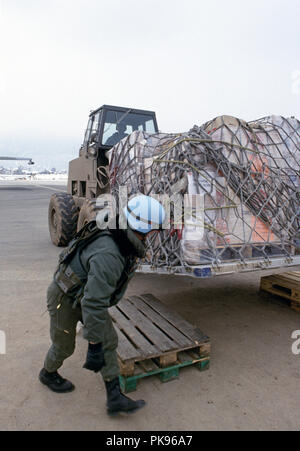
<point x="36" y="177"/>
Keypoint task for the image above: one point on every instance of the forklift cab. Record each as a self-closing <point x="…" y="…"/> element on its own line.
<point x="89" y="173"/>
<point x="108" y="125"/>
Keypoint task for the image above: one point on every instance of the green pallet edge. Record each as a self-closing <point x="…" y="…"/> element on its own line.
<point x="129" y="384"/>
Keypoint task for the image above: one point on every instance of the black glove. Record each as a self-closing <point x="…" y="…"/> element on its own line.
<point x="95" y="358"/>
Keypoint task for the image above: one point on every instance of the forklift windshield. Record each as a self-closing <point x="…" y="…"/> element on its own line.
<point x="119" y="124"/>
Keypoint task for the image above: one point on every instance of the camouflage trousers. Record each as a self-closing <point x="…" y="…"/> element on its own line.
<point x="63" y="322"/>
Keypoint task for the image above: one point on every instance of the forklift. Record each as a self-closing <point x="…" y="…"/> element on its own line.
<point x="89" y="173"/>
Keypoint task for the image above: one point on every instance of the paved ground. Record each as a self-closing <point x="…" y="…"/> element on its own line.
<point x="254" y="378"/>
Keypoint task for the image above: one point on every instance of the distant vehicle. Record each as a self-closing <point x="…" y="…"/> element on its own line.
<point x="88" y="174"/>
<point x="30" y="162"/>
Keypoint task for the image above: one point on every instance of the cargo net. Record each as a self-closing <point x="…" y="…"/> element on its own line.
<point x="242" y="181"/>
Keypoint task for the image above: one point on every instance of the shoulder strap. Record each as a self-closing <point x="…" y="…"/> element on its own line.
<point x="85" y="236"/>
<point x="91" y="232"/>
<point x="66" y="278"/>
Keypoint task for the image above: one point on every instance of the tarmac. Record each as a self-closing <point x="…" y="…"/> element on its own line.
<point x="253" y="381"/>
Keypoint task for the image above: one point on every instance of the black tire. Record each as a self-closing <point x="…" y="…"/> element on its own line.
<point x="62" y="217"/>
<point x="88" y="212"/>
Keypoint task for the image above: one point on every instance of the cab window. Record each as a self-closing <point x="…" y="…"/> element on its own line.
<point x="88" y="131"/>
<point x="118" y="125"/>
<point x="92" y="128"/>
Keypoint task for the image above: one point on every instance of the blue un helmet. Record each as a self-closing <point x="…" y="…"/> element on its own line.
<point x="144" y="214"/>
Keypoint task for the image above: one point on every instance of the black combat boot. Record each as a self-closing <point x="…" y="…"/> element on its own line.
<point x="117" y="402"/>
<point x="55" y="382"/>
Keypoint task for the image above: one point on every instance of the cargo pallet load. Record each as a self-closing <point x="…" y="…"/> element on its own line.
<point x="231" y="190"/>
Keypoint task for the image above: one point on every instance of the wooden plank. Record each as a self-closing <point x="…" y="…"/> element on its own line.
<point x="293" y="274"/>
<point x="265" y="286"/>
<point x="155" y="335"/>
<point x="148" y="365"/>
<point x="281" y="286"/>
<point x="126" y="350"/>
<point x="278" y="293"/>
<point x="288" y="279"/>
<point x="295" y="306"/>
<point x="184" y="357"/>
<point x="205" y="350"/>
<point x="193" y="333"/>
<point x="281" y="279"/>
<point x="278" y="288"/>
<point x="195" y="355"/>
<point x="143" y="346"/>
<point x="161" y="322"/>
<point x="277" y="284"/>
<point x="167" y="360"/>
<point x="126" y="368"/>
<point x="138" y="369"/>
<point x="296" y="295"/>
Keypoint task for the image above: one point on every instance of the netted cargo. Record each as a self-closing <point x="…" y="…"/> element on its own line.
<point x="238" y="184"/>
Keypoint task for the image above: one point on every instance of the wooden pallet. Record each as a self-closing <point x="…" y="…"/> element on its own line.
<point x="155" y="340"/>
<point x="286" y="285"/>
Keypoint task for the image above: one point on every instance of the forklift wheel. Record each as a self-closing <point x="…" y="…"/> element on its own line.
<point x="87" y="213"/>
<point x="63" y="217"/>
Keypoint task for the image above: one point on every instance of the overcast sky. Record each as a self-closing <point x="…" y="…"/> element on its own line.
<point x="188" y="60"/>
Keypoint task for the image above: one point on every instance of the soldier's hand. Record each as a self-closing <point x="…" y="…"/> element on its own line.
<point x="95" y="358"/>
